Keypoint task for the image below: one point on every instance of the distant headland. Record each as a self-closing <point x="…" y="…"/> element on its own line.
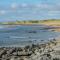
<point x="54" y="23"/>
<point x="50" y="22"/>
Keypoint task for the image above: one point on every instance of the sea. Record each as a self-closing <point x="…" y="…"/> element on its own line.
<point x="22" y="35"/>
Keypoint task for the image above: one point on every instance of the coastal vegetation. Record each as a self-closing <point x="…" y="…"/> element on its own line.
<point x="46" y="22"/>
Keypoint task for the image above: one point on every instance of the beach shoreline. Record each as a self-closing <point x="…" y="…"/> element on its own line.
<point x="32" y="52"/>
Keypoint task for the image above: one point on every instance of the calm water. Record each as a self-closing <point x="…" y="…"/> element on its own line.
<point x="24" y="35"/>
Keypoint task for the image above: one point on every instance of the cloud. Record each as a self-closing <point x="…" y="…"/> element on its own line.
<point x="2" y="12"/>
<point x="42" y="5"/>
<point x="24" y="5"/>
<point x="53" y="13"/>
<point x="14" y="5"/>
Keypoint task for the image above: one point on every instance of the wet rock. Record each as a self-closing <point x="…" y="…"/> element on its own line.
<point x="32" y="32"/>
<point x="42" y="40"/>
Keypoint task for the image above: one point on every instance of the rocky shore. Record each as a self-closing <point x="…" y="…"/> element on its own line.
<point x="47" y="51"/>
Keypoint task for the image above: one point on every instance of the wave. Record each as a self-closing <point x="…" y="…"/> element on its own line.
<point x="17" y="37"/>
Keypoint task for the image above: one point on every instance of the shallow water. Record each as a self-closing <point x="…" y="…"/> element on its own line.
<point x="25" y="35"/>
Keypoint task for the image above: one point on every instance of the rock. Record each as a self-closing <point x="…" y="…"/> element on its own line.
<point x="32" y="32"/>
<point x="11" y="51"/>
<point x="2" y="53"/>
<point x="15" y="53"/>
<point x="24" y="53"/>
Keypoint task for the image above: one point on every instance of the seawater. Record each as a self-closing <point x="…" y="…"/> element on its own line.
<point x="21" y="35"/>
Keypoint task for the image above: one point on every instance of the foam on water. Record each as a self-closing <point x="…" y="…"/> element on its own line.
<point x="15" y="37"/>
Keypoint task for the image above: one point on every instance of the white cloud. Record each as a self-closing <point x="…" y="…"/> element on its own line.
<point x="42" y="5"/>
<point x="2" y="12"/>
<point x="14" y="5"/>
<point x="24" y="5"/>
<point x="53" y="13"/>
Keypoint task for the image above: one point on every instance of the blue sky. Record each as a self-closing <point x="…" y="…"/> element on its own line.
<point x="11" y="10"/>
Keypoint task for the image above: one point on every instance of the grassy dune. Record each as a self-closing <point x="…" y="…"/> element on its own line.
<point x="51" y="22"/>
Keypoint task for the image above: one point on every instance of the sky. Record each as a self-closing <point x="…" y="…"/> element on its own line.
<point x="12" y="10"/>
